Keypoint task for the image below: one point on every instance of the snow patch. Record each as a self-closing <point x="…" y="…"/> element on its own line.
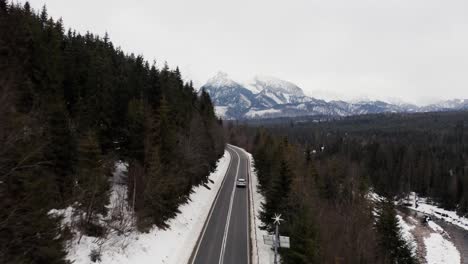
<point x="259" y="113"/>
<point x="440" y="251"/>
<point x="435" y="227"/>
<point x="424" y="206"/>
<point x="302" y="106"/>
<point x="374" y="197"/>
<point x="406" y="229"/>
<point x="221" y="111"/>
<point x="262" y="82"/>
<point x="221" y="79"/>
<point x="274" y="97"/>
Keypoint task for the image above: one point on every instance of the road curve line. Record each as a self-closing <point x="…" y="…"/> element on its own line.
<point x="213" y="205"/>
<point x="228" y="220"/>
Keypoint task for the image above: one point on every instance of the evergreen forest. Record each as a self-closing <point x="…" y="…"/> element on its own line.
<point x="71" y="106"/>
<point x="320" y="176"/>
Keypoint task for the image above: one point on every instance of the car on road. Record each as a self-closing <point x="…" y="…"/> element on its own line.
<point x="241" y="183"/>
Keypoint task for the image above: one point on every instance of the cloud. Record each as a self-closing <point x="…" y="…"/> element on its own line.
<point x="415" y="50"/>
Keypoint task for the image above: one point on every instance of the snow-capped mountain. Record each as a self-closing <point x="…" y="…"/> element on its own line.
<point x="271" y="91"/>
<point x="268" y="97"/>
<point x="230" y="98"/>
<point x="261" y="83"/>
<point x="455" y="104"/>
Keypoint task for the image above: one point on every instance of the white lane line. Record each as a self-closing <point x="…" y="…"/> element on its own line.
<point x="211" y="212"/>
<point x="228" y="220"/>
<point x="248" y="204"/>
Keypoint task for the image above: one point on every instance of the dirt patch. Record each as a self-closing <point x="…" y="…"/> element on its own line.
<point x="420" y="232"/>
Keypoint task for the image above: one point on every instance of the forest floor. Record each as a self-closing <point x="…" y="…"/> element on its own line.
<point x="436" y="241"/>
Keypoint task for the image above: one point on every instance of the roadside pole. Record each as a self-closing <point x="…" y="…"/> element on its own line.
<point x="276" y="240"/>
<point x="276" y="243"/>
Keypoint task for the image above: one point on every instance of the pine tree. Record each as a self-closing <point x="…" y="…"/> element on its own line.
<point x="92" y="183"/>
<point x="134" y="145"/>
<point x="206" y="106"/>
<point x="44" y="17"/>
<point x="390" y="239"/>
<point x="277" y="195"/>
<point x="60" y="150"/>
<point x="167" y="133"/>
<point x="303" y="237"/>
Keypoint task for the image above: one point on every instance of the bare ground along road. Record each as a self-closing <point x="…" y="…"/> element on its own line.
<point x="457" y="235"/>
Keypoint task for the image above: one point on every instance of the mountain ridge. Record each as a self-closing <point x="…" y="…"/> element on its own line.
<point x="269" y="97"/>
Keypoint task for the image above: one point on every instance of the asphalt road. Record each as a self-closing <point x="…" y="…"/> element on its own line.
<point x="225" y="237"/>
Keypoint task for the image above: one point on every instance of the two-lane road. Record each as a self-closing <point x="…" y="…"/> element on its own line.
<point x="225" y="238"/>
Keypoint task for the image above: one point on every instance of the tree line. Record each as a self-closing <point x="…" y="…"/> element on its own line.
<point x="398" y="153"/>
<point x="71" y="105"/>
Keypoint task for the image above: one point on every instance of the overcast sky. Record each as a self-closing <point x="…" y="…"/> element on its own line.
<point x="416" y="50"/>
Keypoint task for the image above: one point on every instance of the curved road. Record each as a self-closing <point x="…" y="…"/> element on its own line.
<point x="457" y="235"/>
<point x="225" y="237"/>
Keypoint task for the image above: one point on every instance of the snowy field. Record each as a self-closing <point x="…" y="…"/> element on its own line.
<point x="171" y="246"/>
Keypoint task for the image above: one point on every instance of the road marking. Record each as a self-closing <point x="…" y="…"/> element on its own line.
<point x="248" y="176"/>
<point x="228" y="220"/>
<point x="211" y="212"/>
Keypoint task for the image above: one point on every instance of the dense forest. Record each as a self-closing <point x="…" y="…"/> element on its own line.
<point x="71" y="105"/>
<point x="324" y="203"/>
<point x="319" y="175"/>
<point x="398" y="153"/>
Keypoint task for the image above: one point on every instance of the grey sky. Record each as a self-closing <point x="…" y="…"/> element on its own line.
<point x="416" y="50"/>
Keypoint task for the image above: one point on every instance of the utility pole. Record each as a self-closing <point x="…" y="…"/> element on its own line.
<point x="276" y="240"/>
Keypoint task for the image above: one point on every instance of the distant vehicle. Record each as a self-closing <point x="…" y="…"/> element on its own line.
<point x="426" y="219"/>
<point x="241" y="183"/>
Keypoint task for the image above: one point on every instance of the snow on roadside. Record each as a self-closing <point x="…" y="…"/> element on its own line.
<point x="435" y="211"/>
<point x="440" y="251"/>
<point x="438" y="247"/>
<point x="170" y="246"/>
<point x="406" y="230"/>
<point x="435" y="227"/>
<point x="261" y="253"/>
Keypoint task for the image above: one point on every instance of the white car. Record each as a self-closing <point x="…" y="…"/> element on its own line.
<point x="241" y="183"/>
